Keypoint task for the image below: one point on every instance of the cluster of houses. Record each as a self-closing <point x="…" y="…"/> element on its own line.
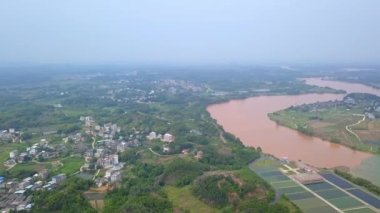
<point x="10" y="135"/>
<point x="112" y="175"/>
<point x="180" y="85"/>
<point x="76" y="138"/>
<point x="371" y="110"/>
<point x="169" y="138"/>
<point x="15" y="196"/>
<point x="119" y="145"/>
<point x="143" y="95"/>
<point x="100" y="158"/>
<point x="107" y="131"/>
<point x="103" y="153"/>
<point x="38" y="151"/>
<point x="166" y="138"/>
<point x="104" y="156"/>
<point x="103" y="159"/>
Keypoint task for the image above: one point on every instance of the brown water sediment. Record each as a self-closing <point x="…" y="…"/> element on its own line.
<point x="338" y="85"/>
<point x="248" y="120"/>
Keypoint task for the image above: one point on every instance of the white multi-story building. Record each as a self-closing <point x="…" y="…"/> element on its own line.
<point x="152" y="136"/>
<point x="115" y="159"/>
<point x="168" y="138"/>
<point x="13" y="154"/>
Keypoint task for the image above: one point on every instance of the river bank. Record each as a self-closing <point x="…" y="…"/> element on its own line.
<point x="248" y="120"/>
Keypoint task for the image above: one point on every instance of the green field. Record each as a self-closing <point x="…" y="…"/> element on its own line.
<point x="310" y="203"/>
<point x="330" y="125"/>
<point x="182" y="198"/>
<point x="346" y="202"/>
<point x="71" y="165"/>
<point x="24" y="170"/>
<point x="284" y="184"/>
<point x="21" y="170"/>
<point x="332" y="193"/>
<point x="291" y="190"/>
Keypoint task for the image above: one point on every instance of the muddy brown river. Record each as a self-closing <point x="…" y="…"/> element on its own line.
<point x="248" y="120"/>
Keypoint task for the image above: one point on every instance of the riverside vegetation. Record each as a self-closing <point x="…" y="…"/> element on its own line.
<point x="353" y="122"/>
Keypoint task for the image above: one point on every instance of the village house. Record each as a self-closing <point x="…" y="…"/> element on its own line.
<point x="199" y="155"/>
<point x="152" y="136"/>
<point x="166" y="149"/>
<point x="370" y="116"/>
<point x="58" y="178"/>
<point x="122" y="146"/>
<point x="168" y="138"/>
<point x="115" y="177"/>
<point x="13" y="154"/>
<point x="165" y="138"/>
<point x="43" y="174"/>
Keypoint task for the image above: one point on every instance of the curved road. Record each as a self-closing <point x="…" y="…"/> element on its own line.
<point x="348" y="127"/>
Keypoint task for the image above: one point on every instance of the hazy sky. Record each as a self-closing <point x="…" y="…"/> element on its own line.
<point x="187" y="31"/>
